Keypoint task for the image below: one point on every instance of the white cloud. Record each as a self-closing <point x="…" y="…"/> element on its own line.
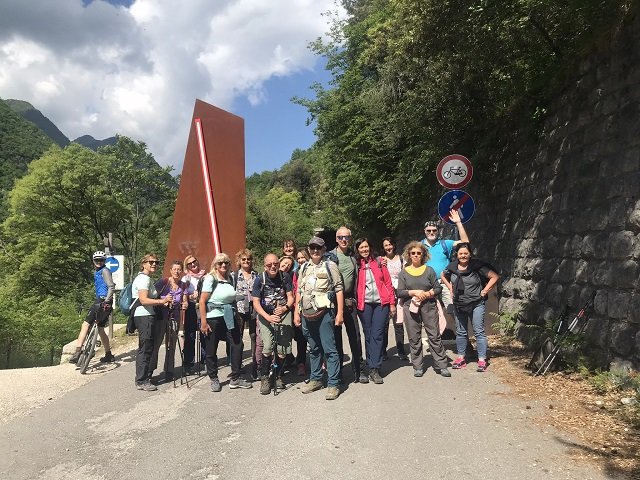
<point x="105" y="69"/>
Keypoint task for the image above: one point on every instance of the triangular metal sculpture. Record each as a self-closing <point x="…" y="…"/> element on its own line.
<point x="210" y="210"/>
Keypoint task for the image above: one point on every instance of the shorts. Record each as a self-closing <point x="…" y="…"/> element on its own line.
<point x="282" y="337"/>
<point x="96" y="312"/>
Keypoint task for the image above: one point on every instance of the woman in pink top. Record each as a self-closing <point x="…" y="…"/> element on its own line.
<point x="375" y="300"/>
<point x="394" y="263"/>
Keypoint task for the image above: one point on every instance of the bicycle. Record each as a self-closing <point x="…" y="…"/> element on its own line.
<point x="455" y="171"/>
<point x="88" y="348"/>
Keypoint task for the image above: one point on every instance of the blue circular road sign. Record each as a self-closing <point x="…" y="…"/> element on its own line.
<point x="112" y="264"/>
<point x="456" y="200"/>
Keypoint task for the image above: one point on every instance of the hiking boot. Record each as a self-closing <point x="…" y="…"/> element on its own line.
<point x="418" y="372"/>
<point x="108" y="358"/>
<point x="444" y="372"/>
<point x="75" y="357"/>
<point x="362" y="378"/>
<point x="482" y="366"/>
<point x="459" y="363"/>
<point x="265" y="385"/>
<point x="375" y="376"/>
<point x="312" y="386"/>
<point x="332" y="393"/>
<point x="280" y="384"/>
<point x="147" y="386"/>
<point x="240" y="383"/>
<point x="215" y="385"/>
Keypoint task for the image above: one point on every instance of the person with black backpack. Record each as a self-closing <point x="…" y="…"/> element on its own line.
<point x="319" y="307"/>
<point x="217" y="307"/>
<point x="273" y="301"/>
<point x="469" y="281"/>
<point x="441" y="251"/>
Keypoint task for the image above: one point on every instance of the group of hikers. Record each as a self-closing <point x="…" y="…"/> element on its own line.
<point x="307" y="296"/>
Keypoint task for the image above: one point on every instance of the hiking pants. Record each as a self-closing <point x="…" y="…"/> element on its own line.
<point x="427" y="318"/>
<point x="144" y="325"/>
<point x="353" y="334"/>
<point x="374" y="318"/>
<point x="233" y="336"/>
<point x="322" y="342"/>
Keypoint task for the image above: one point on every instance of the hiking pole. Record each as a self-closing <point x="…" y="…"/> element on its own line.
<point x="546" y="364"/>
<point x="174" y="335"/>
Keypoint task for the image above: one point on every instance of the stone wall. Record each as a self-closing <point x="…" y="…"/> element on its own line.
<point x="560" y="215"/>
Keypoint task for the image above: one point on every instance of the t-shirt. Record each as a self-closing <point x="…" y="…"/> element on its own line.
<point x="438" y="260"/>
<point x="243" y="291"/>
<point x="274" y="292"/>
<point x="347" y="270"/>
<point x="394" y="266"/>
<point x="224" y="293"/>
<point x="472" y="286"/>
<point x="143" y="282"/>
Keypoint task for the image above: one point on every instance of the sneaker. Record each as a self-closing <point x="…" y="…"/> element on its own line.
<point x="215" y="385"/>
<point x="375" y="376"/>
<point x="363" y="378"/>
<point x="189" y="370"/>
<point x="482" y="366"/>
<point x="332" y="393"/>
<point x="312" y="386"/>
<point x="280" y="384"/>
<point x="418" y="372"/>
<point x="403" y="357"/>
<point x="265" y="385"/>
<point x="75" y="357"/>
<point x="108" y="358"/>
<point x="302" y="371"/>
<point x="444" y="372"/>
<point x="240" y="383"/>
<point x="147" y="386"/>
<point x="458" y="363"/>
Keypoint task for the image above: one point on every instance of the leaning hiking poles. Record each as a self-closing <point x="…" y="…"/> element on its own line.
<point x="548" y="352"/>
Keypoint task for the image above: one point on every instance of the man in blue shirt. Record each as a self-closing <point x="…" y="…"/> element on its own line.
<point x="441" y="250"/>
<point x="100" y="309"/>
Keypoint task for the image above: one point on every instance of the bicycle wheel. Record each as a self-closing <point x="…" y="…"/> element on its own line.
<point x="89" y="349"/>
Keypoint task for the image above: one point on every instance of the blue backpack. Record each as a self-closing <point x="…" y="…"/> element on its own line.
<point x="126" y="299"/>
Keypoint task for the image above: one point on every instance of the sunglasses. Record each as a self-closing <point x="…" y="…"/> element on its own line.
<point x="271" y="265"/>
<point x="343" y="237"/>
<point x="224" y="262"/>
<point x="192" y="263"/>
<point x="153" y="262"/>
<point x="246" y="259"/>
<point x="415" y="253"/>
<point x="315" y="248"/>
<point x="431" y="230"/>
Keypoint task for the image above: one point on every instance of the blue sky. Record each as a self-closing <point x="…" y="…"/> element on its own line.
<point x="136" y="67"/>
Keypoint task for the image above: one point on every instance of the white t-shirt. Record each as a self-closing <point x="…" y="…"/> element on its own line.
<point x="143" y="282"/>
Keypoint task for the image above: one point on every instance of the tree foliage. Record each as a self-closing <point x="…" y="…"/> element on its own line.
<point x="415" y="80"/>
<point x="59" y="213"/>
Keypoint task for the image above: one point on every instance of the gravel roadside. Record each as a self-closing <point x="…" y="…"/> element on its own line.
<point x="23" y="390"/>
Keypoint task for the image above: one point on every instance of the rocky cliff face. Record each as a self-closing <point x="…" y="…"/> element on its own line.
<point x="560" y="217"/>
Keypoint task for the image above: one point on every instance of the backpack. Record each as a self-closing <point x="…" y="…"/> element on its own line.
<point x="126" y="299"/>
<point x="451" y="255"/>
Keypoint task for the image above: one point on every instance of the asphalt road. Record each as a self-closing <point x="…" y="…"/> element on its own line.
<point x="463" y="427"/>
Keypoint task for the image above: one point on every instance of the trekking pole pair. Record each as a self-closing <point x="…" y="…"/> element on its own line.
<point x="576" y="327"/>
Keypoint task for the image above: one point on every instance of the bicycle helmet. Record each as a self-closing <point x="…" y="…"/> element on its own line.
<point x="99" y="255"/>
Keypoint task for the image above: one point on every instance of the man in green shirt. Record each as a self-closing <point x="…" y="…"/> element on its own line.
<point x="349" y="271"/>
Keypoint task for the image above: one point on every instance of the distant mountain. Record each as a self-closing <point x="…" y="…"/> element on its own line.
<point x="28" y="112"/>
<point x="90" y="142"/>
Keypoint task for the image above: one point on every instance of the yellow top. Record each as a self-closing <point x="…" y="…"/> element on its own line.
<point x="416" y="272"/>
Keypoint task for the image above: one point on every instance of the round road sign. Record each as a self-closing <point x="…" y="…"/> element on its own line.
<point x="454" y="171"/>
<point x="456" y="200"/>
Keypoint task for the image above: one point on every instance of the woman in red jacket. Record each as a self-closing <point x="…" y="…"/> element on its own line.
<point x="375" y="299"/>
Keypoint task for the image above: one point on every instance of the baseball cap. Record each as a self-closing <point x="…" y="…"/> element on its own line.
<point x="316" y="241"/>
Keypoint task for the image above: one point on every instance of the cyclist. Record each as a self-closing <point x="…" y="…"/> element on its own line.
<point x="100" y="309"/>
